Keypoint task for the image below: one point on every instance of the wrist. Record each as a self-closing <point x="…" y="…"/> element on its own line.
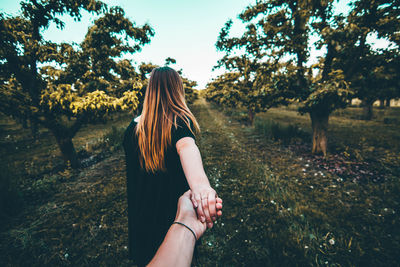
<point x="197" y="227"/>
<point x="200" y="185"/>
<point x="189" y="231"/>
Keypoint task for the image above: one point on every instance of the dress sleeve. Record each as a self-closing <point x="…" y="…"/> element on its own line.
<point x="182" y="131"/>
<point x="127" y="140"/>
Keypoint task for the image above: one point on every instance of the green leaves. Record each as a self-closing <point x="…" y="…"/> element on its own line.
<point x="328" y="95"/>
<point x="191" y="94"/>
<point x="43" y="12"/>
<point x="359" y="60"/>
<point x="61" y="99"/>
<point x="43" y="82"/>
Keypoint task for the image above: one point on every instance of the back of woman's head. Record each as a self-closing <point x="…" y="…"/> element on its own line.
<point x="164" y="102"/>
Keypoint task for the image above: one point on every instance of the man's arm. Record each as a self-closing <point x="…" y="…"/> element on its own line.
<point x="176" y="249"/>
<point x="178" y="245"/>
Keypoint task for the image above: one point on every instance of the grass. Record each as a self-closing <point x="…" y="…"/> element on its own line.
<point x="282" y="205"/>
<point x="30" y="167"/>
<point x="373" y="141"/>
<point x="278" y="131"/>
<point x="282" y="208"/>
<point x="67" y="217"/>
<point x="344" y="128"/>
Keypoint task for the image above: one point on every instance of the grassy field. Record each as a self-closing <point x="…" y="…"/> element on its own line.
<point x="282" y="205"/>
<point x="60" y="216"/>
<point x="286" y="207"/>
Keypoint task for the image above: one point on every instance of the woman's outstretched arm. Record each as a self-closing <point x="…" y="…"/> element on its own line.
<point x="203" y="195"/>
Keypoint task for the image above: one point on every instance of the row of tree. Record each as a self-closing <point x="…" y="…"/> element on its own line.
<point x="63" y="86"/>
<point x="269" y="65"/>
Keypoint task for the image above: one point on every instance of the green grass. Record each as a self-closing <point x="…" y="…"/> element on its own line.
<point x="28" y="165"/>
<point x="279" y="131"/>
<point x="344" y="128"/>
<point x="363" y="141"/>
<point x="281" y="207"/>
<point x="68" y="217"/>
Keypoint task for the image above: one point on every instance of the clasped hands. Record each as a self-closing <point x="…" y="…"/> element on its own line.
<point x="188" y="214"/>
<point x="207" y="204"/>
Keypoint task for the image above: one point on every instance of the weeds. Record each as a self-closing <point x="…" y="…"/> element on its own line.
<point x="278" y="131"/>
<point x="11" y="198"/>
<point x="110" y="141"/>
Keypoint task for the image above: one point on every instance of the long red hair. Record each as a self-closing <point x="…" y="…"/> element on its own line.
<point x="164" y="102"/>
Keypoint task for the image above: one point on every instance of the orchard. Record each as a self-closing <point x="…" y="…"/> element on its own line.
<point x="299" y="121"/>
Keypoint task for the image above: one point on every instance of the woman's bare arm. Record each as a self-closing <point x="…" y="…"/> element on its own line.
<point x="203" y="196"/>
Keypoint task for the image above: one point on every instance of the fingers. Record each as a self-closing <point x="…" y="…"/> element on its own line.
<point x="194" y="202"/>
<point x="207" y="205"/>
<point x="199" y="208"/>
<point x="204" y="202"/>
<point x="211" y="206"/>
<point x="218" y="206"/>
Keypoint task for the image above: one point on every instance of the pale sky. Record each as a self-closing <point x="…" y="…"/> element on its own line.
<point x="184" y="30"/>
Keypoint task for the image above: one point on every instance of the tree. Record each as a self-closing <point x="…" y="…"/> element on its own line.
<point x="348" y="68"/>
<point x="65" y="86"/>
<point x="239" y="87"/>
<point x="372" y="72"/>
<point x="223" y="90"/>
<point x="248" y="73"/>
<point x="281" y="32"/>
<point x="191" y="94"/>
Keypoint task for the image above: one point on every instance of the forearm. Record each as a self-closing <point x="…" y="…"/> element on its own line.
<point x="203" y="196"/>
<point x="176" y="249"/>
<point x="193" y="166"/>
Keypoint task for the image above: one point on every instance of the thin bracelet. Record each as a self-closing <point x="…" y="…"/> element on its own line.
<point x="195" y="237"/>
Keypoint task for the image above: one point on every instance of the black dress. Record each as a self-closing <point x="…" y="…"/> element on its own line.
<point x="152" y="198"/>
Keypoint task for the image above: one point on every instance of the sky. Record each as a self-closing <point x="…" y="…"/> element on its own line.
<point x="184" y="30"/>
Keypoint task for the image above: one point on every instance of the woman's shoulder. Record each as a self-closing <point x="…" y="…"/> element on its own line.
<point x="183" y="128"/>
<point x="133" y="122"/>
<point x="182" y="122"/>
<point x="131" y="125"/>
<point x="137" y="119"/>
<point x="130" y="129"/>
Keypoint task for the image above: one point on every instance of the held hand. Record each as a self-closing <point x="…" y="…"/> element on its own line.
<point x="218" y="207"/>
<point x="187" y="215"/>
<point x="204" y="201"/>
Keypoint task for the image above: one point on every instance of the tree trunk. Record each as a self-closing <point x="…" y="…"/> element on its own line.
<point x="250" y="116"/>
<point x="367" y="109"/>
<point x="388" y="102"/>
<point x="67" y="150"/>
<point x="23" y="121"/>
<point x="34" y="129"/>
<point x="381" y="103"/>
<point x="319" y="123"/>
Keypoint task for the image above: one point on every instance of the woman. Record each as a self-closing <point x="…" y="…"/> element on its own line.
<point x="163" y="162"/>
